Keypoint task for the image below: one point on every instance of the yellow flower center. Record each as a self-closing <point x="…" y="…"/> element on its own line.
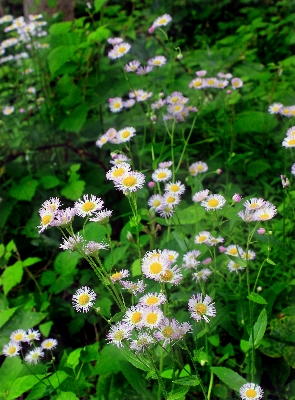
<point x="210" y="81"/>
<point x="126" y="134"/>
<point x="167" y="276"/>
<point x="156" y="267"/>
<point x="157" y="203"/>
<point x="200" y="167"/>
<point x="162" y="175"/>
<point x="235" y="266"/>
<point x="174" y="99"/>
<point x="202" y="238"/>
<point x="35" y="355"/>
<point x="48" y="345"/>
<point x="167" y="332"/>
<point x="291" y="142"/>
<point x="152" y="318"/>
<point x="142" y="341"/>
<point x="233" y="251"/>
<point x="157" y="62"/>
<point x="136" y="317"/>
<point x="286" y="111"/>
<point x="118" y="172"/>
<point x="264" y="216"/>
<point x="174" y="188"/>
<point x="122" y="49"/>
<point x="192" y="171"/>
<point x="254" y="205"/>
<point x="117" y="104"/>
<point x="129" y="181"/>
<point x="103" y="140"/>
<point x="84" y="299"/>
<point x="177" y="108"/>
<point x="213" y="203"/>
<point x="170" y="199"/>
<point x="88" y="206"/>
<point x="236" y="84"/>
<point x="12" y="350"/>
<point x="171" y="257"/>
<point x="46" y="219"/>
<point x="275" y="108"/>
<point x="251" y="393"/>
<point x="119" y="335"/>
<point x="162" y="21"/>
<point x="31" y="336"/>
<point x="18" y="337"/>
<point x="201" y="308"/>
<point x="197" y="83"/>
<point x="116" y="276"/>
<point x="152" y="300"/>
<point x="199" y="274"/>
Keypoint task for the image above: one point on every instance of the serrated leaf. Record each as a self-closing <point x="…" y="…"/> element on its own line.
<point x="232" y="379"/>
<point x="188" y="381"/>
<point x="6" y="314"/>
<point x="256" y="298"/>
<point x="59" y="56"/>
<point x="21" y="385"/>
<point x="101" y="34"/>
<point x="178" y="393"/>
<point x="49" y="181"/>
<point x="67" y="396"/>
<point x="25" y="189"/>
<point x="11" y="276"/>
<point x="74" y="358"/>
<point x="66" y="262"/>
<point x="259" y="329"/>
<point x="90" y="353"/>
<point x="75" y="121"/>
<point x="135" y="379"/>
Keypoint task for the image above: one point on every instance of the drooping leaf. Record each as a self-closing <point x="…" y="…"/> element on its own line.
<point x="259" y="329"/>
<point x="232" y="379"/>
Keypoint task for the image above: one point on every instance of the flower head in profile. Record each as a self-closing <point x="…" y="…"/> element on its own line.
<point x="72" y="243"/>
<point x="33" y="356"/>
<point x="197" y="168"/>
<point x="83" y="299"/>
<point x="117" y="276"/>
<point x="202" y="237"/>
<point x="265" y="213"/>
<point x="171" y="275"/>
<point x="275" y="108"/>
<point x="251" y="391"/>
<point x="63" y="217"/>
<point x="11" y="349"/>
<point x="157" y="61"/>
<point x="92" y="248"/>
<point x="213" y="202"/>
<point x="153" y="299"/>
<point x="32" y="335"/>
<point x="49" y="344"/>
<point x="47" y="216"/>
<point x="160" y="21"/>
<point x="200" y="196"/>
<point x="234" y="267"/>
<point x="144" y="70"/>
<point x="134" y="287"/>
<point x="132" y="66"/>
<point x="234" y="250"/>
<point x="202" y="274"/>
<point x="201" y="309"/>
<point x="87" y="207"/>
<point x="114" y="41"/>
<point x="143" y="342"/>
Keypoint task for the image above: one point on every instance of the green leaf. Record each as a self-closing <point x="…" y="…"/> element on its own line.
<point x="105" y="306"/>
<point x="90" y="353"/>
<point x="40" y="390"/>
<point x="237" y="260"/>
<point x="270" y="262"/>
<point x="49" y="181"/>
<point x="95" y="232"/>
<point x="75" y="121"/>
<point x="6" y="314"/>
<point x="214" y="340"/>
<point x="136" y="268"/>
<point x="257" y="167"/>
<point x="101" y="34"/>
<point x="244" y="344"/>
<point x="58" y="57"/>
<point x="232" y="379"/>
<point x="66" y="262"/>
<point x="112" y="259"/>
<point x="21" y="385"/>
<point x="254" y="121"/>
<point x="135" y="379"/>
<point x="47" y="278"/>
<point x="98" y="4"/>
<point x="137" y="360"/>
<point x="11" y="276"/>
<point x="109" y="360"/>
<point x="45" y="328"/>
<point x="256" y="298"/>
<point x="67" y="396"/>
<point x="9" y="372"/>
<point x="74" y="190"/>
<point x="259" y="329"/>
<point x="25" y="189"/>
<point x="31" y="261"/>
<point x="178" y="393"/>
<point x="60" y="27"/>
<point x="74" y="358"/>
<point x="188" y="381"/>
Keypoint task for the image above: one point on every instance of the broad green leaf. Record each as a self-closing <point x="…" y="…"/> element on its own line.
<point x="135" y="379"/>
<point x="75" y="121"/>
<point x="186" y="371"/>
<point x="256" y="298"/>
<point x="109" y="360"/>
<point x="49" y="181"/>
<point x="31" y="261"/>
<point x="45" y="328"/>
<point x="259" y="329"/>
<point x="48" y="278"/>
<point x="67" y="396"/>
<point x="117" y="255"/>
<point x="232" y="379"/>
<point x="95" y="232"/>
<point x="11" y="276"/>
<point x="74" y="358"/>
<point x="90" y="353"/>
<point x="39" y="390"/>
<point x="22" y="385"/>
<point x="60" y="27"/>
<point x="189" y="215"/>
<point x="257" y="167"/>
<point x="136" y="268"/>
<point x="66" y="262"/>
<point x="188" y="381"/>
<point x="74" y="190"/>
<point x="244" y="344"/>
<point x="105" y="306"/>
<point x="178" y="393"/>
<point x="9" y="372"/>
<point x="254" y="121"/>
<point x="6" y="314"/>
<point x="62" y="283"/>
<point x="101" y="34"/>
<point x="214" y="340"/>
<point x="168" y="373"/>
<point x="59" y="56"/>
<point x="25" y="189"/>
<point x="98" y="4"/>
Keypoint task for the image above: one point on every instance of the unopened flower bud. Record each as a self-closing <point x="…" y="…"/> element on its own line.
<point x="285" y="182"/>
<point x="151" y="184"/>
<point x="98" y="309"/>
<point x="228" y="91"/>
<point x="158" y="227"/>
<point x="130" y="237"/>
<point x="237" y="198"/>
<point x="218" y="171"/>
<point x="207" y="261"/>
<point x="261" y="231"/>
<point x="114" y="156"/>
<point x="222" y="249"/>
<point x="259" y="289"/>
<point x="179" y="56"/>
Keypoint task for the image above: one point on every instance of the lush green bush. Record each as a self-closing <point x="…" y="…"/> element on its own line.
<point x="69" y="107"/>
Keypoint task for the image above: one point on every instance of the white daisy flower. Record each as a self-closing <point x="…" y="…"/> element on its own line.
<point x="111" y="135"/>
<point x="119" y="50"/>
<point x="165" y="164"/>
<point x="198" y="167"/>
<point x="293" y="170"/>
<point x="125" y="134"/>
<point x="161" y="175"/>
<point x="144" y="70"/>
<point x="72" y="243"/>
<point x="52" y="204"/>
<point x="129" y="103"/>
<point x="156" y="105"/>
<point x="289" y="141"/>
<point x="32" y="335"/>
<point x="167" y="331"/>
<point x="143" y="342"/>
<point x="236" y="83"/>
<point x="117" y="171"/>
<point x="47" y="217"/>
<point x="246" y="216"/>
<point x="114" y="41"/>
<point x="248" y="256"/>
<point x="176" y="188"/>
<point x="291" y="132"/>
<point x="222" y="84"/>
<point x="132" y="66"/>
<point x="197" y="83"/>
<point x="92" y="248"/>
<point x="130" y="182"/>
<point x="33" y="356"/>
<point x="254" y="203"/>
<point x="170" y="199"/>
<point x="101" y="141"/>
<point x="83" y="299"/>
<point x="162" y="21"/>
<point x="166" y="210"/>
<point x="201" y="309"/>
<point x="200" y="196"/>
<point x="134" y="317"/>
<point x="153" y="268"/>
<point x="118" y="333"/>
<point x="142" y="95"/>
<point x="171" y="275"/>
<point x="134" y="287"/>
<point x="153" y="299"/>
<point x="210" y="82"/>
<point x="171" y="255"/>
<point x="49" y="344"/>
<point x="234" y="250"/>
<point x="152" y="317"/>
<point x="117" y="276"/>
<point x="213" y="202"/>
<point x="275" y="108"/>
<point x="18" y="336"/>
<point x="87" y="207"/>
<point x="285" y="111"/>
<point x="264" y="213"/>
<point x="116" y="104"/>
<point x="63" y="217"/>
<point x="157" y="61"/>
<point x="155" y="201"/>
<point x="202" y="237"/>
<point x="11" y="349"/>
<point x="251" y="391"/>
<point x="8" y="110"/>
<point x="202" y="275"/>
<point x="234" y="267"/>
<point x="201" y="73"/>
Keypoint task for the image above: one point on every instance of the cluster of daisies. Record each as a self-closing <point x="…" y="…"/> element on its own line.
<point x="89" y="207"/>
<point x="125" y="179"/>
<point x="279" y="108"/>
<point x="289" y="140"/>
<point x="204" y="83"/>
<point x="18" y="337"/>
<point x="116" y="137"/>
<point x="257" y="209"/>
